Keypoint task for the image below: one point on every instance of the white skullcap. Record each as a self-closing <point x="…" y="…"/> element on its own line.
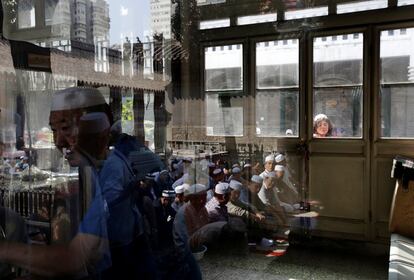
<point x="279" y="168"/>
<point x="289" y="131"/>
<point x="93" y="123"/>
<point x="247" y="165"/>
<point x="180" y="189"/>
<point x="257" y="179"/>
<point x="194" y="189"/>
<point x="236" y="170"/>
<point x="168" y="193"/>
<point x="320" y="117"/>
<point x="279" y="158"/>
<point x="235" y="185"/>
<point x="217" y="171"/>
<point x="221" y="188"/>
<point x="76" y="98"/>
<point x="235" y="165"/>
<point x="270" y="158"/>
<point x="269" y="174"/>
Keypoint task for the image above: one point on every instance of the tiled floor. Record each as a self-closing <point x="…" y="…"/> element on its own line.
<point x="320" y="260"/>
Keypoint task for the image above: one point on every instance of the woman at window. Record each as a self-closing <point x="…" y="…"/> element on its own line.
<point x="322" y="126"/>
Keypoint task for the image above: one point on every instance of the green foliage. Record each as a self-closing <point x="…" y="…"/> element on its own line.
<point x="127" y="110"/>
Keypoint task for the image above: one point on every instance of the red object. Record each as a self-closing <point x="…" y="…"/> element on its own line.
<point x="276" y="253"/>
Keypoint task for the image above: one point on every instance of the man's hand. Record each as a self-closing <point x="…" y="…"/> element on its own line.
<point x="259" y="217"/>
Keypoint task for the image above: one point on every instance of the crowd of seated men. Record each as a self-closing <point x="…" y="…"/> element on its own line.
<point x="130" y="227"/>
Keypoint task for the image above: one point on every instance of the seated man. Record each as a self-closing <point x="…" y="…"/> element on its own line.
<point x="179" y="197"/>
<point x="216" y="207"/>
<point x="189" y="219"/>
<point x="165" y="216"/>
<point x="269" y="165"/>
<point x="269" y="197"/>
<point x="237" y="208"/>
<point x="289" y="197"/>
<point x="274" y="222"/>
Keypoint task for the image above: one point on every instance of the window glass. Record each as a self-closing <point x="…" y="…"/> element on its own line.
<point x="306" y="13"/>
<point x="277" y="93"/>
<point x="277" y="113"/>
<point x="211" y="24"/>
<point x="337" y="93"/>
<point x="26" y="14"/>
<point x="223" y="67"/>
<point x="405" y="2"/>
<point x="397" y="83"/>
<point x="254" y="19"/>
<point x="358" y="6"/>
<point x="224" y="115"/>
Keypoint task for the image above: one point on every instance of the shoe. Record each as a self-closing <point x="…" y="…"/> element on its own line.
<point x="276" y="253"/>
<point x="265" y="245"/>
<point x="266" y="242"/>
<point x="282" y="243"/>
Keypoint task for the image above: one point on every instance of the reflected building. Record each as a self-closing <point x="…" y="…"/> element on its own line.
<point x="161" y="11"/>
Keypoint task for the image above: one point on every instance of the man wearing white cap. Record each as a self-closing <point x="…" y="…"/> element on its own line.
<point x="87" y="253"/>
<point x="165" y="215"/>
<point x="218" y="176"/>
<point x="267" y="192"/>
<point x="269" y="165"/>
<point x="289" y="197"/>
<point x="179" y="197"/>
<point x="189" y="219"/>
<point x="285" y="174"/>
<point x="238" y="208"/>
<point x="216" y="207"/>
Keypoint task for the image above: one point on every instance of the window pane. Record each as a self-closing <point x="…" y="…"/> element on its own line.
<point x="343" y="107"/>
<point x="397" y="76"/>
<point x="338" y="60"/>
<point x="245" y="20"/>
<point x="210" y="24"/>
<point x="277" y="94"/>
<point x="307" y="13"/>
<point x="338" y="76"/>
<point x="26" y="14"/>
<point x="405" y="2"/>
<point x="361" y="6"/>
<point x="224" y="68"/>
<point x="277" y="63"/>
<point x="224" y="116"/>
<point x="277" y="113"/>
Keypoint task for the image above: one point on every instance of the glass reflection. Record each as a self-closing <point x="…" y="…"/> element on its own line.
<point x="337" y="79"/>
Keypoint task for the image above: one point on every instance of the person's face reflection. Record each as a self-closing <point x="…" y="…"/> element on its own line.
<point x="322" y="128"/>
<point x="64" y="125"/>
<point x="269" y="165"/>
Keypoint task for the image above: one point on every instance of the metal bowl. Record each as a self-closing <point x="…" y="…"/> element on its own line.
<point x="200" y="254"/>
